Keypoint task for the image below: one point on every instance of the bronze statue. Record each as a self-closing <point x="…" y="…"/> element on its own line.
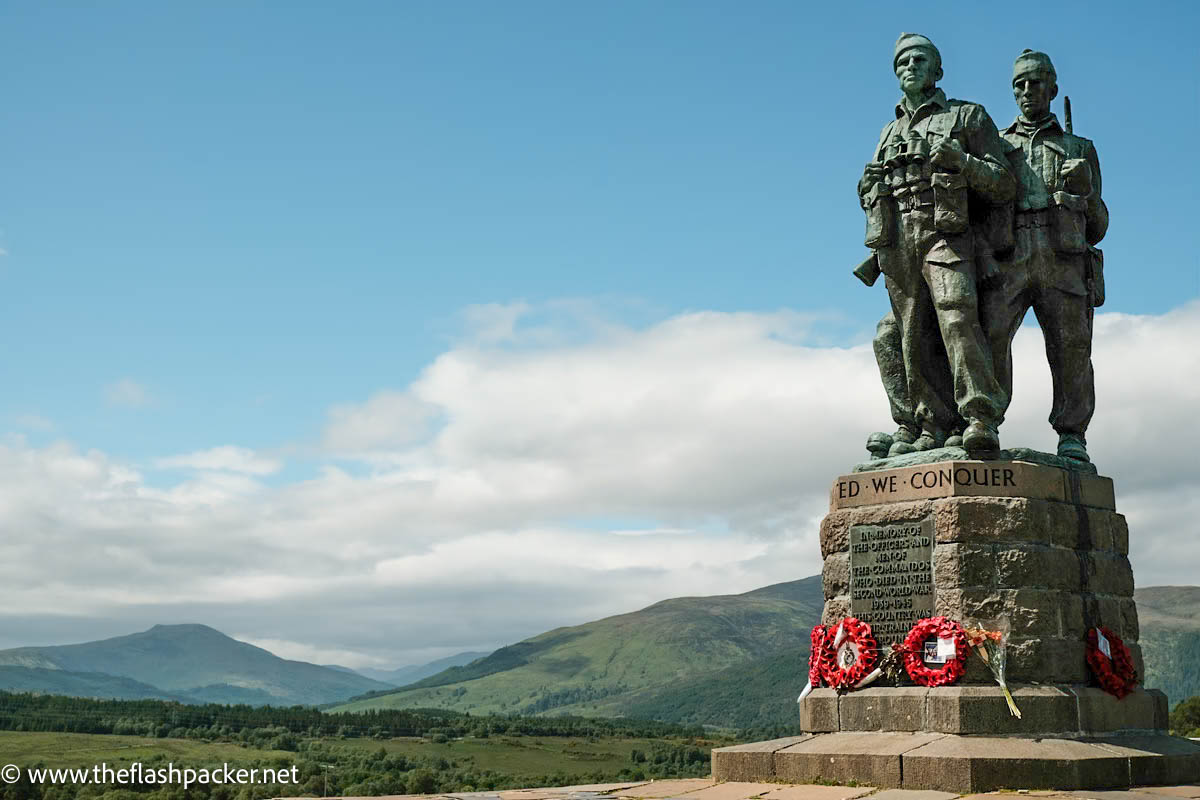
<point x="1055" y="267"/>
<point x="935" y="196"/>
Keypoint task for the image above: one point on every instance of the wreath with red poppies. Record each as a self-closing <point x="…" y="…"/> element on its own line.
<point x="1114" y="672"/>
<point x="849" y="653"/>
<point x="940" y="628"/>
<point x="816" y="655"/>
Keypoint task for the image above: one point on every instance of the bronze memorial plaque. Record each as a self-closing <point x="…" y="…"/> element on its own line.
<point x="891" y="576"/>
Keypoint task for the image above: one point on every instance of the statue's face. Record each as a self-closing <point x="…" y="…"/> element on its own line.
<point x="917" y="70"/>
<point x="1033" y="93"/>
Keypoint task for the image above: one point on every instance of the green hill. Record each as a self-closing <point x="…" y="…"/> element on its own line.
<point x="404" y="676"/>
<point x="604" y="667"/>
<point x="185" y="659"/>
<point x="733" y="661"/>
<point x="1170" y="639"/>
<point x="759" y="696"/>
<point x="41" y="680"/>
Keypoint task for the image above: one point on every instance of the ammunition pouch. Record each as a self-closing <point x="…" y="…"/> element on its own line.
<point x="881" y="217"/>
<point x="1095" y="276"/>
<point x="950" y="213"/>
<point x="915" y="200"/>
<point x="868" y="271"/>
<point x="1068" y="221"/>
<point x="998" y="228"/>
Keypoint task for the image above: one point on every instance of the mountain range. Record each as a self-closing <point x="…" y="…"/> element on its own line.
<point x="735" y="660"/>
<point x="635" y="664"/>
<point x="415" y="672"/>
<point x="729" y="660"/>
<point x="1169" y="617"/>
<point x="189" y="663"/>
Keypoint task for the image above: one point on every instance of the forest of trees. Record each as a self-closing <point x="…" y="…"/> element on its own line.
<point x="159" y="718"/>
<point x="1185" y="718"/>
<point x="326" y="762"/>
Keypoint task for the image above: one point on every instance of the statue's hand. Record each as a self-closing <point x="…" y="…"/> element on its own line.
<point x="873" y="173"/>
<point x="1077" y="176"/>
<point x="948" y="154"/>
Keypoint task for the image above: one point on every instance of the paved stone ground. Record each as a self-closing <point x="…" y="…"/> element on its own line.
<point x="706" y="789"/>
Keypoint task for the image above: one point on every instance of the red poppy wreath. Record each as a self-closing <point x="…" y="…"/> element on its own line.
<point x="849" y="654"/>
<point x="815" y="656"/>
<point x="949" y="642"/>
<point x="1110" y="662"/>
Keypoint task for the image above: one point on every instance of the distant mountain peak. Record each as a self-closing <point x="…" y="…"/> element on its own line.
<point x="187" y="629"/>
<point x="192" y="659"/>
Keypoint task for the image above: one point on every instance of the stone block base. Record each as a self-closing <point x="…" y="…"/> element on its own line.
<point x="1045" y="711"/>
<point x="955" y="763"/>
<point x="1038" y="547"/>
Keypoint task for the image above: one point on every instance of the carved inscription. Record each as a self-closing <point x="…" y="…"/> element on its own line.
<point x="891" y="576"/>
<point x="934" y="479"/>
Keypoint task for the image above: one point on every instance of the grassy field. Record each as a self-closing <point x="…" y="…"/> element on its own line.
<point x="525" y="754"/>
<point x="86" y="749"/>
<point x="509" y="755"/>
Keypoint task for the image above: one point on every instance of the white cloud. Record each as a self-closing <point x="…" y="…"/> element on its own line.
<point x="35" y="422"/>
<point x="501" y="485"/>
<point x="387" y="419"/>
<point x="226" y="459"/>
<point x="299" y="651"/>
<point x="127" y="393"/>
<point x="493" y="323"/>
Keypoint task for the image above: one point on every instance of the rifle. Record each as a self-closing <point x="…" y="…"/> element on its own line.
<point x="1095" y="256"/>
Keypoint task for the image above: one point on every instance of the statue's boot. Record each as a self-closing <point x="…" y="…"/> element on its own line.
<point x="901" y="441"/>
<point x="1073" y="445"/>
<point x="928" y="440"/>
<point x="980" y="437"/>
<point x="878" y="445"/>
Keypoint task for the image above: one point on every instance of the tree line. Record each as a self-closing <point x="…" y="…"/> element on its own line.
<point x="250" y="724"/>
<point x="329" y="766"/>
<point x="1185" y="718"/>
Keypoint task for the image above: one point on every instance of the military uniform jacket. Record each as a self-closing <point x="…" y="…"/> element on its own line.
<point x="969" y="125"/>
<point x="1036" y="154"/>
<point x="986" y="171"/>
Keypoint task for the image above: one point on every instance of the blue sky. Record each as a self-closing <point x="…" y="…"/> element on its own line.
<point x="222" y="222"/>
<point x="255" y="210"/>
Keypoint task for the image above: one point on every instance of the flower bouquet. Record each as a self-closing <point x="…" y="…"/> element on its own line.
<point x="988" y="640"/>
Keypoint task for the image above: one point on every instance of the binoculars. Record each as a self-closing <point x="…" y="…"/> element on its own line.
<point x="902" y="151"/>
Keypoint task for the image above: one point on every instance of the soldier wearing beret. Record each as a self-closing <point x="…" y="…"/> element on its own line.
<point x="938" y="171"/>
<point x="1055" y="269"/>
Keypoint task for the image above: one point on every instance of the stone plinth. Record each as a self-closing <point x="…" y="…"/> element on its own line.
<point x="981" y="710"/>
<point x="953" y="763"/>
<point x="1039" y="546"/>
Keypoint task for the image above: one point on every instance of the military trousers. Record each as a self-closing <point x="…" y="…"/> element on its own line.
<point x="889" y="357"/>
<point x="888" y="345"/>
<point x="1066" y="322"/>
<point x="947" y="359"/>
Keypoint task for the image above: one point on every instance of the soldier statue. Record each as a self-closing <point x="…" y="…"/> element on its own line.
<point x="931" y="194"/>
<point x="1055" y="268"/>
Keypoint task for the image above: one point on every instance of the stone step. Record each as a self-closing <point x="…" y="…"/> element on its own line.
<point x="954" y="763"/>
